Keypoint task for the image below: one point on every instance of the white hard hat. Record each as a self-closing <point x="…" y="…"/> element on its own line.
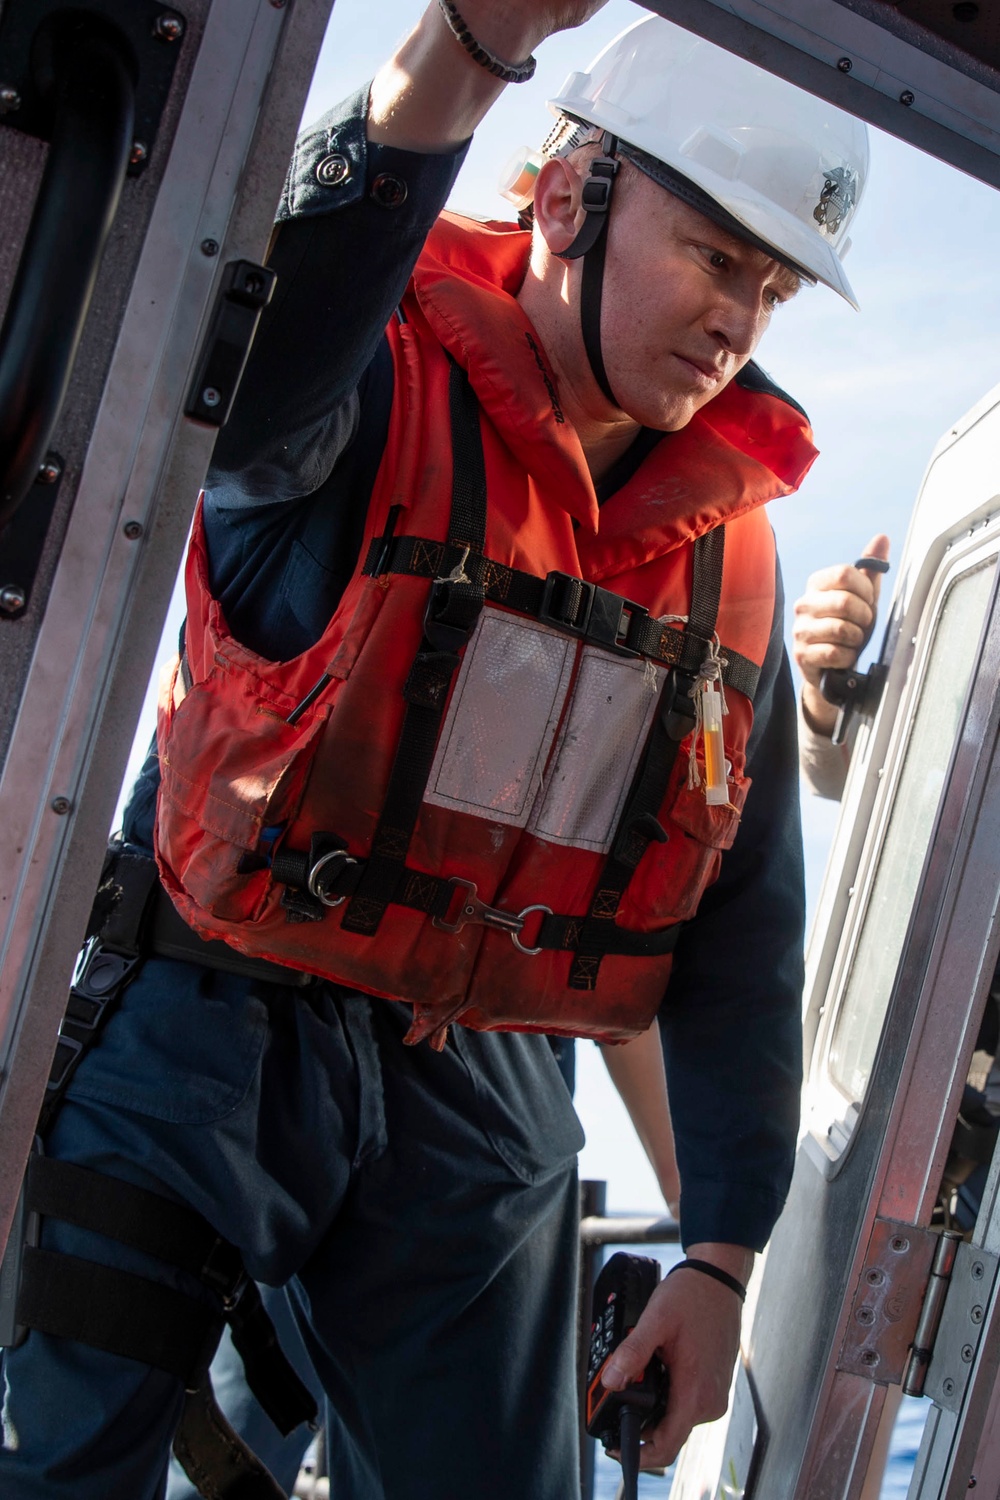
<point x="786" y="166"/>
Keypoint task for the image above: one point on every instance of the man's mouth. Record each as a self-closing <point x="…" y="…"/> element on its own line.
<point x="705" y="373"/>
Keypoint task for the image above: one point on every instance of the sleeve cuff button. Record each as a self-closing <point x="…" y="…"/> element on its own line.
<point x="389" y="190"/>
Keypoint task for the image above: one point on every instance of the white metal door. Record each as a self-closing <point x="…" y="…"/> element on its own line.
<point x="901" y="958"/>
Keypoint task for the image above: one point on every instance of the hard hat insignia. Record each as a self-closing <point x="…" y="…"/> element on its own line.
<point x="837" y="198"/>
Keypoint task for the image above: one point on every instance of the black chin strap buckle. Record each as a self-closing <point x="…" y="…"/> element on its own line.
<point x="596" y="198"/>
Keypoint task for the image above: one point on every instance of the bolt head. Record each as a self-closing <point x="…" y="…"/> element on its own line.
<point x="907" y="97"/>
<point x="978" y="1270"/>
<point x="869" y="1357"/>
<point x="12" y="599"/>
<point x="10" y="99"/>
<point x="138" y="154"/>
<point x="948" y="1386"/>
<point x="133" y="530"/>
<point x="168" y="27"/>
<point x="210" y="396"/>
<point x="844" y="64"/>
<point x="967" y="1353"/>
<point x="209" y="247"/>
<point x="866" y="1316"/>
<point x="976" y="1314"/>
<point x="875" y="1276"/>
<point x="49" y="472"/>
<point x="60" y="805"/>
<point x="898" y="1243"/>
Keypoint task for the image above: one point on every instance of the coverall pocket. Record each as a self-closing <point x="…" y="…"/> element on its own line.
<point x="233" y="771"/>
<point x="523" y="1105"/>
<point x="183" y="1047"/>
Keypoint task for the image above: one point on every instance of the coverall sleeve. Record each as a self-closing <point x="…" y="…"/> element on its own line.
<point x="352" y="220"/>
<point x="823" y="764"/>
<point x="731" y="1017"/>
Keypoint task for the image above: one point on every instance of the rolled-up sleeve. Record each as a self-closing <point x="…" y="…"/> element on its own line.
<point x="352" y="220"/>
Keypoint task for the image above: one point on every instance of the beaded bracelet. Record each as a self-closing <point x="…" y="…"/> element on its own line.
<point x="506" y="72"/>
<point x="707" y="1269"/>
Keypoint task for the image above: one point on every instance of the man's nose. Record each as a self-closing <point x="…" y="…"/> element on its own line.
<point x="736" y="321"/>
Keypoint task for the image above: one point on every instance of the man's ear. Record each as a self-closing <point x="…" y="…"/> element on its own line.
<point x="558" y="204"/>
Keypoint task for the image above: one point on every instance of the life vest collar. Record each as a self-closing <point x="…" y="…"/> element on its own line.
<point x="753" y="446"/>
<point x="479" y="321"/>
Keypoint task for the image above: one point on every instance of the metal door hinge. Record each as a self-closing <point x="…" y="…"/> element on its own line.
<point x="960" y="1326"/>
<point x="888" y="1300"/>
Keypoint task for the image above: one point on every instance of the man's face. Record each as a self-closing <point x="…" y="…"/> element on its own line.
<point x="685" y="304"/>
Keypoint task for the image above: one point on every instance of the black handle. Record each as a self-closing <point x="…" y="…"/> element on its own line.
<point x="94" y="107"/>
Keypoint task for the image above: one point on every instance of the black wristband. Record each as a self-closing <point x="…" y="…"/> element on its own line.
<point x="707" y="1269"/>
<point x="506" y="72"/>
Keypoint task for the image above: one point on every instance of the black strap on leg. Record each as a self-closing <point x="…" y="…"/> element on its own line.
<point x="639" y="825"/>
<point x="453" y="608"/>
<point x="118" y="1312"/>
<point x="143" y="1319"/>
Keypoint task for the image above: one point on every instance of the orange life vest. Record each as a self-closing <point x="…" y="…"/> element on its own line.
<point x="477" y="791"/>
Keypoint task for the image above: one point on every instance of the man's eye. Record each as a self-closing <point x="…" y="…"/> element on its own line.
<point x="717" y="259"/>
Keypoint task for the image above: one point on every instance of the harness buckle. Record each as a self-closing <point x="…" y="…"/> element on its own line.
<point x="567" y="602"/>
<point x="471" y="909"/>
<point x="100" y="973"/>
<point x="597" y="615"/>
<point x="98" y="981"/>
<point x="443" y="634"/>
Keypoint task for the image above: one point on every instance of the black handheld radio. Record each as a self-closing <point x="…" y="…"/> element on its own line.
<point x="617" y="1418"/>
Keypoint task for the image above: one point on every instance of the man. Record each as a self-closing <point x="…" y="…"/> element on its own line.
<point x="361" y="775"/>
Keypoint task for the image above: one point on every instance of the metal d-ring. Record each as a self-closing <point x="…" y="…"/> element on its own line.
<point x="515" y="937"/>
<point x="313" y="881"/>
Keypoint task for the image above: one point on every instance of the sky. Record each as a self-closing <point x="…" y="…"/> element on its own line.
<point x="880" y="386"/>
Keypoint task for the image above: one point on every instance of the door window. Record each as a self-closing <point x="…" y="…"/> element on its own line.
<point x="933" y="730"/>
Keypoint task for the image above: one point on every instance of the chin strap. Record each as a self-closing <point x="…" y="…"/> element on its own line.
<point x="591" y="244"/>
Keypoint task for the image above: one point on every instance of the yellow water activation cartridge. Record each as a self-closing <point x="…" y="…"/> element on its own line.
<point x="716" y="784"/>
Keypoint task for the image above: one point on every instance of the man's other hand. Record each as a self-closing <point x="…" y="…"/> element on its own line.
<point x="693" y="1323"/>
<point x="834" y="620"/>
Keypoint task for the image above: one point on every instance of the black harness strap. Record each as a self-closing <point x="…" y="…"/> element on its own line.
<point x="597" y="615"/>
<point x="455" y="602"/>
<point x="118" y="1312"/>
<point x="178" y="1236"/>
<point x="146" y="1221"/>
<point x="638" y="825"/>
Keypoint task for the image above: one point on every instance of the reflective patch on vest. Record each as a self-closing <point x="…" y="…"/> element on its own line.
<point x="598" y="750"/>
<point x="502" y="718"/>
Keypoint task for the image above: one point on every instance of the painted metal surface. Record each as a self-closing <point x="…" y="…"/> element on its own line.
<point x="869" y="1167"/>
<point x="140" y="466"/>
